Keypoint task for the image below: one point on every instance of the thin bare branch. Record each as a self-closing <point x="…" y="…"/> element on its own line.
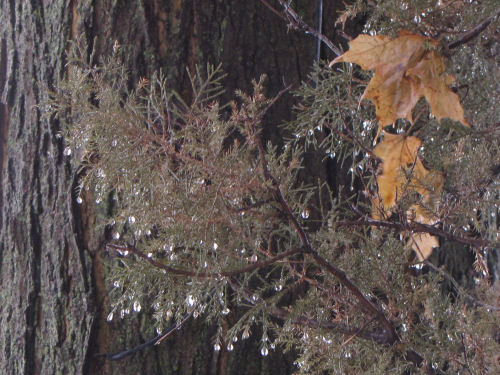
<point x="297" y="23"/>
<point x="475" y="31"/>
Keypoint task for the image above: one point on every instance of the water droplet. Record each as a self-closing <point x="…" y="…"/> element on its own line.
<point x="109" y="318"/>
<point x="278" y="287"/>
<point x="305" y="214"/>
<point x="225" y="311"/>
<point x="190" y="300"/>
<point x="116" y="235"/>
<point x="216" y="347"/>
<point x="246" y="334"/>
<point x="137" y="306"/>
<point x="67" y="151"/>
<point x="348" y="355"/>
<point x="123" y="253"/>
<point x="264" y="351"/>
<point x="150" y="255"/>
<point x="230" y="347"/>
<point x="254" y="258"/>
<point x="131" y="219"/>
<point x="215" y="246"/>
<point x="79" y="200"/>
<point x="235" y="339"/>
<point x="116" y="283"/>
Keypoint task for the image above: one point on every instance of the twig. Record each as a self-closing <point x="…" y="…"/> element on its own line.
<point x="474" y="31"/>
<point x="417" y="227"/>
<point x="358" y="332"/>
<point x="153" y="341"/>
<point x="297" y="23"/>
<point x="204" y="275"/>
<point x="177" y="327"/>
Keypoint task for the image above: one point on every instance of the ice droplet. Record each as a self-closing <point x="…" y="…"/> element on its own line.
<point x="190" y="300"/>
<point x="230" y="347"/>
<point x="225" y="311"/>
<point x="216" y="347"/>
<point x="67" y="151"/>
<point x="131" y="219"/>
<point x="254" y="258"/>
<point x="305" y="214"/>
<point x="137" y="306"/>
<point x="109" y="318"/>
<point x="264" y="351"/>
<point x="278" y="287"/>
<point x="116" y="235"/>
<point x="79" y="200"/>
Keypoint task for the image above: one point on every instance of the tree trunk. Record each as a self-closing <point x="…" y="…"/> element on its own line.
<point x="53" y="267"/>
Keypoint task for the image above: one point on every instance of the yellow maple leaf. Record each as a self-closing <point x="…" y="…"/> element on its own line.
<point x="405" y="70"/>
<point x="399" y="154"/>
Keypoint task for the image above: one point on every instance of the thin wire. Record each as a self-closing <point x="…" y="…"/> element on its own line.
<point x="319" y="28"/>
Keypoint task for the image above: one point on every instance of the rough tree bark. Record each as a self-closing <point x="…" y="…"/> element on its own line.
<point x="52" y="264"/>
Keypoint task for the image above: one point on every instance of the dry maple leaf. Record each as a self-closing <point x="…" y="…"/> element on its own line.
<point x="399" y="154"/>
<point x="405" y="70"/>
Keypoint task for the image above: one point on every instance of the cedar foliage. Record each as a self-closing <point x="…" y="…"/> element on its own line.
<point x="207" y="221"/>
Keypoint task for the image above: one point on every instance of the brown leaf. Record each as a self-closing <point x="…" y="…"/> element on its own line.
<point x="399" y="154"/>
<point x="405" y="70"/>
